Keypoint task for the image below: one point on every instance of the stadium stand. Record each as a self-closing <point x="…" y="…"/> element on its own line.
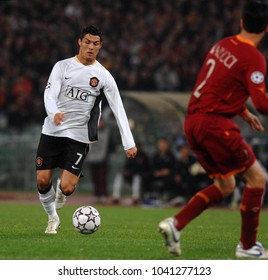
<point x="149" y="45"/>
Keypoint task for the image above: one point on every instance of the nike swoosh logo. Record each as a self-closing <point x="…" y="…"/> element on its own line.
<point x="73" y="167"/>
<point x="173" y="233"/>
<point x="67" y="78"/>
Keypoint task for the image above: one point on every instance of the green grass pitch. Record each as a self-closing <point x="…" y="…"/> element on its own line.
<point x="126" y="233"/>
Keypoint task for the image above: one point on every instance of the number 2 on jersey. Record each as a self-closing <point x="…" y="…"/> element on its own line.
<point x="211" y="63"/>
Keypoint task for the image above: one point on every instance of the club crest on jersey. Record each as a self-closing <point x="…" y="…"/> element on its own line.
<point x="93" y="82"/>
<point x="257" y="77"/>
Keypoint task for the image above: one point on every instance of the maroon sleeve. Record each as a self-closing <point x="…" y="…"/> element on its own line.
<point x="256" y="84"/>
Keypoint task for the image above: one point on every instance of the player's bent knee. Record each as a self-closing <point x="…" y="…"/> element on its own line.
<point x="67" y="189"/>
<point x="43" y="182"/>
<point x="226" y="185"/>
<point x="257" y="181"/>
<point x="227" y="190"/>
<point x="255" y="176"/>
<point x="68" y="192"/>
<point x="262" y="180"/>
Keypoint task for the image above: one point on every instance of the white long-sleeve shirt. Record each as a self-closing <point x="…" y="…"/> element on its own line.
<point x="76" y="90"/>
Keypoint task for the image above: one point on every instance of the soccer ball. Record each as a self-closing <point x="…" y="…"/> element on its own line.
<point x="86" y="219"/>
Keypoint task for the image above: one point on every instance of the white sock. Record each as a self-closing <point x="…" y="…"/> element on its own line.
<point x="48" y="202"/>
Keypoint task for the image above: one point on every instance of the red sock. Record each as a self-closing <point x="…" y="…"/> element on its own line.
<point x="197" y="205"/>
<point x="250" y="208"/>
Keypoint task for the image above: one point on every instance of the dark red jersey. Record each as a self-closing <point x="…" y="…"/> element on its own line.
<point x="233" y="71"/>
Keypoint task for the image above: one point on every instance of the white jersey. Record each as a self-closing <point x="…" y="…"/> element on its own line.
<point x="76" y="90"/>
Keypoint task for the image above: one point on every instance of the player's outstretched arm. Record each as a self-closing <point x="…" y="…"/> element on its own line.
<point x="252" y="120"/>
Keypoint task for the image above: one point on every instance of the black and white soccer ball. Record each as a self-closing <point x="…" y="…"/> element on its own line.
<point x="86" y="219"/>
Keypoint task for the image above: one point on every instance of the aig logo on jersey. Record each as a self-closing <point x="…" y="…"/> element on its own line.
<point x="94" y="82"/>
<point x="257" y="77"/>
<point x="77" y="93"/>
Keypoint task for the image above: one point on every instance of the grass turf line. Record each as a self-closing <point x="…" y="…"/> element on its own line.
<point x="125" y="234"/>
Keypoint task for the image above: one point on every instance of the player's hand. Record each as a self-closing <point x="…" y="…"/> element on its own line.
<point x="58" y="118"/>
<point x="132" y="152"/>
<point x="253" y="122"/>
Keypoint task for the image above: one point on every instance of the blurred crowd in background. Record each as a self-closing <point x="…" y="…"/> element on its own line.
<point x="151" y="45"/>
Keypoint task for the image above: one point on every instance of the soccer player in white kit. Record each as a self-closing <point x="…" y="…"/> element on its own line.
<point x="72" y="101"/>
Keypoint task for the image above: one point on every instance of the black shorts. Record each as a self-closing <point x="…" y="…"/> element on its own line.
<point x="62" y="152"/>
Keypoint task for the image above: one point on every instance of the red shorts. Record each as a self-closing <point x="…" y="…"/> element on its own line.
<point x="218" y="144"/>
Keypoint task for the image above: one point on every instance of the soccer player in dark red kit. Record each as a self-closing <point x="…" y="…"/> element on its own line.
<point x="233" y="71"/>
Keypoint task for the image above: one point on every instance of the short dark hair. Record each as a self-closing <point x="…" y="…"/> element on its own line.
<point x="93" y="30"/>
<point x="255" y="16"/>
